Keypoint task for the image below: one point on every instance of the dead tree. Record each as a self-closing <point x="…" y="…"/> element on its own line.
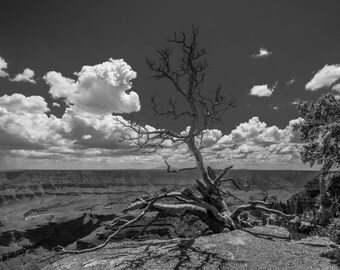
<point x="202" y="111"/>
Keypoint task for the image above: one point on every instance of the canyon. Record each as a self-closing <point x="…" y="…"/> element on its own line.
<point x="40" y="209"/>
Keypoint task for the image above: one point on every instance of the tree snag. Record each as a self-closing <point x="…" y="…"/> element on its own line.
<point x="202" y="111"/>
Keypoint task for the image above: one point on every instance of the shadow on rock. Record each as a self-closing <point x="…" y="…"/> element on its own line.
<point x="173" y="254"/>
<point x="65" y="233"/>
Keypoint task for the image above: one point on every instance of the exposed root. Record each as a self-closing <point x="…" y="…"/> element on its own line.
<point x="148" y="206"/>
<point x="260" y="206"/>
<point x="208" y="201"/>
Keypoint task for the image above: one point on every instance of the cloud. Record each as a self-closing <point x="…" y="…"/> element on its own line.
<point x="24" y="126"/>
<point x="19" y="102"/>
<point x="86" y="137"/>
<point x="3" y="65"/>
<point x="24" y="130"/>
<point x="325" y="77"/>
<point x="211" y="137"/>
<point x="336" y="87"/>
<point x="252" y="144"/>
<point x="262" y="53"/>
<point x="255" y="144"/>
<point x="59" y="85"/>
<point x="95" y="140"/>
<point x="90" y="131"/>
<point x="291" y="81"/>
<point x="26" y="76"/>
<point x="99" y="89"/>
<point x="258" y="132"/>
<point x="262" y="90"/>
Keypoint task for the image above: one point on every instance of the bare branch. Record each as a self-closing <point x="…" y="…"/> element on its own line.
<point x="259" y="206"/>
<point x="240" y="184"/>
<point x="217" y="180"/>
<point x="146" y="137"/>
<point x="169" y="170"/>
<point x="171" y="111"/>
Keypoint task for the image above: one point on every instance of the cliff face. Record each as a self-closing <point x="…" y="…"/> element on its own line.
<point x="19" y="185"/>
<point x="310" y="199"/>
<point x="304" y="200"/>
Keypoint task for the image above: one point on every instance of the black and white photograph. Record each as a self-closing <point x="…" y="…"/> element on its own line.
<point x="160" y="135"/>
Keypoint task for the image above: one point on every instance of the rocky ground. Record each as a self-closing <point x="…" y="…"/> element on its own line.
<point x="267" y="247"/>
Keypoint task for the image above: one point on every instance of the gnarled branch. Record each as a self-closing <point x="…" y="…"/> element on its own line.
<point x="169" y="170"/>
<point x="260" y="206"/>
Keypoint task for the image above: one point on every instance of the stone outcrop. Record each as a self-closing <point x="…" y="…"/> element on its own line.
<point x="169" y="226"/>
<point x="241" y="250"/>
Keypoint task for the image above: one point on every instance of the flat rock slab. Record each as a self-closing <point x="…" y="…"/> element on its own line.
<point x="270" y="232"/>
<point x="235" y="250"/>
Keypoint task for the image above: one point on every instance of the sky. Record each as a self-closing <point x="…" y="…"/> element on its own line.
<point x="67" y="66"/>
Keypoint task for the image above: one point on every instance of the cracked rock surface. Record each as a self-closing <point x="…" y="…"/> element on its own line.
<point x="234" y="250"/>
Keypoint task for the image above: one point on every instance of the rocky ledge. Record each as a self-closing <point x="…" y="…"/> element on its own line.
<point x="266" y="247"/>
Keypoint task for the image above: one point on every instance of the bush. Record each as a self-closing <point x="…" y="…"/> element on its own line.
<point x="326" y="200"/>
<point x="333" y="184"/>
<point x="332" y="231"/>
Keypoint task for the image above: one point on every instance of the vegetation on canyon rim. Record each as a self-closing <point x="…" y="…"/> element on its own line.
<point x="203" y="109"/>
<point x="320" y="131"/>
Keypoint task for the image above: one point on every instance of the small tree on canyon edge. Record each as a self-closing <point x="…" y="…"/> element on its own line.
<point x="203" y="109"/>
<point x="320" y="131"/>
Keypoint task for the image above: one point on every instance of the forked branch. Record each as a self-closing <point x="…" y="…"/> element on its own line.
<point x="241" y="185"/>
<point x="260" y="206"/>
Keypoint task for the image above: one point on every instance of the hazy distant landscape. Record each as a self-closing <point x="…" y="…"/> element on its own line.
<point x="29" y="184"/>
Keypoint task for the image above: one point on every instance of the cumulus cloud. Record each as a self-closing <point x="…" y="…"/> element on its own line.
<point x="26" y="76"/>
<point x="262" y="90"/>
<point x="291" y="81"/>
<point x="59" y="85"/>
<point x="19" y="102"/>
<point x="23" y="125"/>
<point x="258" y="132"/>
<point x="262" y="53"/>
<point x="336" y="87"/>
<point x="86" y="137"/>
<point x="251" y="144"/>
<point x="24" y="130"/>
<point x="211" y="137"/>
<point x="90" y="131"/>
<point x="3" y="65"/>
<point x="91" y="139"/>
<point x="55" y="104"/>
<point x="99" y="89"/>
<point x="325" y="77"/>
<point x="88" y="134"/>
<point x="256" y="144"/>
